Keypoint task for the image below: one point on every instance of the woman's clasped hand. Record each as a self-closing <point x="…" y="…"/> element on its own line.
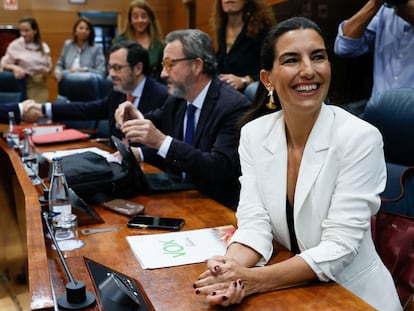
<point x="221" y="282"/>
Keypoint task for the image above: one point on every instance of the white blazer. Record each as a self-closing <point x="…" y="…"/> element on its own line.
<point x="340" y="178"/>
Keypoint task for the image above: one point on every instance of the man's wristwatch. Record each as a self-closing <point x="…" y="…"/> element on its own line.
<point x="246" y="80"/>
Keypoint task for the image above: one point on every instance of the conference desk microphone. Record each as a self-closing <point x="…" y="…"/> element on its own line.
<point x="76" y="296"/>
<point x="45" y="197"/>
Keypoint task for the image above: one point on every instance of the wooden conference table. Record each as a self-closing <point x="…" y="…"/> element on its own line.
<point x="167" y="288"/>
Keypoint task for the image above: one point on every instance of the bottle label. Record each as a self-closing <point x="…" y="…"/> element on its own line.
<point x="62" y="209"/>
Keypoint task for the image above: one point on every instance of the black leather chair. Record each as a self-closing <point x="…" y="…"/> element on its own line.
<point x="392" y="112"/>
<point x="11" y="89"/>
<point x="83" y="87"/>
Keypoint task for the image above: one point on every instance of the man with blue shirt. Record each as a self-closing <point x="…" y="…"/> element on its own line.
<point x="386" y="31"/>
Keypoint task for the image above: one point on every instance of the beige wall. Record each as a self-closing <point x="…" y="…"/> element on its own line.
<point x="57" y="17"/>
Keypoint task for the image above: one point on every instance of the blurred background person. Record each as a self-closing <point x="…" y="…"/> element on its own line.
<point x="143" y="27"/>
<point x="29" y="59"/>
<point x="388" y="33"/>
<point x="240" y="26"/>
<point x="80" y="54"/>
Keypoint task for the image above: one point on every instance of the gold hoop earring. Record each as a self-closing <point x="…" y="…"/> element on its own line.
<point x="271" y="104"/>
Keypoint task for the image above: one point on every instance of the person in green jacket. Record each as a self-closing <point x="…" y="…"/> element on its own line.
<point x="143" y="27"/>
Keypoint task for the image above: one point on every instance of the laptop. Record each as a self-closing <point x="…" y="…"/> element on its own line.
<point x="150" y="182"/>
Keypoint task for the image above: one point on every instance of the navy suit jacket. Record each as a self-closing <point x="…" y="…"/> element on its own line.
<point x="153" y="95"/>
<point x="213" y="161"/>
<point x="4" y="112"/>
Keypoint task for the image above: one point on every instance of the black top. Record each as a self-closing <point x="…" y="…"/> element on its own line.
<point x="244" y="56"/>
<point x="294" y="248"/>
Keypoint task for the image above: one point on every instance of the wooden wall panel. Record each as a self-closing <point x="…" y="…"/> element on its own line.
<point x="203" y="11"/>
<point x="177" y="15"/>
<point x="56" y="19"/>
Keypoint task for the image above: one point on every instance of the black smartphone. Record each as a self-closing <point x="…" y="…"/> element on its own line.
<point x="151" y="222"/>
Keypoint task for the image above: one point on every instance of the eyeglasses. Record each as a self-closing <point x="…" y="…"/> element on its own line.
<point x="116" y="67"/>
<point x="167" y="63"/>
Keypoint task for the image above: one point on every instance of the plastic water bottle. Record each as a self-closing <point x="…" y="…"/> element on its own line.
<point x="12" y="136"/>
<point x="59" y="197"/>
<point x="29" y="154"/>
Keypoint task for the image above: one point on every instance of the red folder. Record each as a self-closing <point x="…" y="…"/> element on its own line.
<point x="39" y="129"/>
<point x="66" y="135"/>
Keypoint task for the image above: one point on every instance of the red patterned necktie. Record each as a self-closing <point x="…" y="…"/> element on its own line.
<point x="131" y="98"/>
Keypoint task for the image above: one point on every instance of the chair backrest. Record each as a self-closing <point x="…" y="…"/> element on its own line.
<point x="107" y="86"/>
<point x="11" y="89"/>
<point x="81" y="86"/>
<point x="392" y="112"/>
<point x="250" y="90"/>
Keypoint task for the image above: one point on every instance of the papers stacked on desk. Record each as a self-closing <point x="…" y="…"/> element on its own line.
<point x="180" y="248"/>
<point x="61" y="153"/>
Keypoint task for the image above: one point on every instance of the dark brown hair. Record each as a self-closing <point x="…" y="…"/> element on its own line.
<point x="91" y="38"/>
<point x="268" y="54"/>
<point x="37" y="37"/>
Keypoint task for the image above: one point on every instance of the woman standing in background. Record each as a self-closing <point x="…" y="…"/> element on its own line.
<point x="241" y="26"/>
<point x="29" y="57"/>
<point x="143" y="28"/>
<point x="80" y="54"/>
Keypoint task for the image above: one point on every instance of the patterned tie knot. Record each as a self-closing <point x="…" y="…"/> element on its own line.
<point x="131" y="98"/>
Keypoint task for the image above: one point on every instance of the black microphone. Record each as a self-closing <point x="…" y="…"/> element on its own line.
<point x="45" y="197"/>
<point x="76" y="296"/>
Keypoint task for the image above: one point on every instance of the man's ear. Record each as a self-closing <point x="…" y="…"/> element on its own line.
<point x="199" y="65"/>
<point x="138" y="68"/>
<point x="266" y="78"/>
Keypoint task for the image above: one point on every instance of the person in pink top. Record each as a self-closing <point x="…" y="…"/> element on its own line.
<point x="29" y="58"/>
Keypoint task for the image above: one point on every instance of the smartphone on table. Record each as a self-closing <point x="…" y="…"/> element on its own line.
<point x="151" y="222"/>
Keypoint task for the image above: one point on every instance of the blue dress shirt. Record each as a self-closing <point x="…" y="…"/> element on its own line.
<point x="392" y="40"/>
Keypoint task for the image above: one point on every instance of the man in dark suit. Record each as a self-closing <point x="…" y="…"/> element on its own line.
<point x="128" y="69"/>
<point x="211" y="161"/>
<point x="17" y="108"/>
<point x="4" y="110"/>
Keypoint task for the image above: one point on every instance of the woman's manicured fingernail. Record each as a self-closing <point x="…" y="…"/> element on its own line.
<point x="234" y="284"/>
<point x="197" y="291"/>
<point x="225" y="298"/>
<point x="213" y="294"/>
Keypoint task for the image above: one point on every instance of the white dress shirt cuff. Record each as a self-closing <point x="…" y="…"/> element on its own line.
<point x="141" y="154"/>
<point x="165" y="146"/>
<point x="48" y="110"/>
<point x="21" y="110"/>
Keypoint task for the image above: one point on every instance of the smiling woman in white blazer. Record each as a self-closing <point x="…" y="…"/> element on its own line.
<point x="316" y="162"/>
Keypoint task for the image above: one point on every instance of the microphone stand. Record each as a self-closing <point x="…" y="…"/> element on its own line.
<point x="76" y="296"/>
<point x="45" y="197"/>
